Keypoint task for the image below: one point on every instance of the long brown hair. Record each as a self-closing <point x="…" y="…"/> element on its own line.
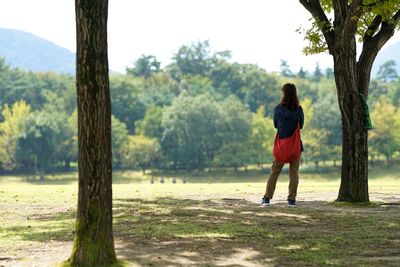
<point x="289" y="97"/>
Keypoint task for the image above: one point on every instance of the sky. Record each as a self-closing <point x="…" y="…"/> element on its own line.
<point x="259" y="32"/>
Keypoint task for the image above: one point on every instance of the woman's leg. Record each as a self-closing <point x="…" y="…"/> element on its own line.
<point x="273" y="178"/>
<point x="294" y="179"/>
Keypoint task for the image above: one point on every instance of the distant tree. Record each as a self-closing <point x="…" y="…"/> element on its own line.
<point x="260" y="89"/>
<point x="119" y="137"/>
<point x="13" y="120"/>
<point x="195" y="59"/>
<point x="128" y="104"/>
<point x="329" y="73"/>
<point x="192" y="127"/>
<point x="285" y="69"/>
<point x="94" y="242"/>
<point x="313" y="138"/>
<point x="317" y="75"/>
<point x="38" y="143"/>
<point x="196" y="85"/>
<point x="336" y="27"/>
<point x="326" y="116"/>
<point x="151" y="126"/>
<point x="262" y="137"/>
<point x="228" y="79"/>
<point x="394" y="93"/>
<point x="387" y="71"/>
<point x="141" y="151"/>
<point x="384" y="137"/>
<point x="235" y="131"/>
<point x="5" y="74"/>
<point x="158" y="89"/>
<point x="302" y="73"/>
<point x="144" y="66"/>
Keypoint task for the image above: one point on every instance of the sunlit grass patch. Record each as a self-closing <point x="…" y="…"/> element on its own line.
<point x="212" y="223"/>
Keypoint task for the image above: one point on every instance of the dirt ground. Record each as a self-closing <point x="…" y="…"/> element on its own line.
<point x="214" y="231"/>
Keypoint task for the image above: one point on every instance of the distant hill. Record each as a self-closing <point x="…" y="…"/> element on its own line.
<point x="391" y="52"/>
<point x="29" y="52"/>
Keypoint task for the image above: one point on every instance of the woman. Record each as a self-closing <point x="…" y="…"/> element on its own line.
<point x="287" y="115"/>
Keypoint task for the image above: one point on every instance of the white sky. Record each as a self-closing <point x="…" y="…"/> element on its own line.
<point x="256" y="31"/>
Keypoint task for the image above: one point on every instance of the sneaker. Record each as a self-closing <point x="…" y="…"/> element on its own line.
<point x="291" y="203"/>
<point x="265" y="201"/>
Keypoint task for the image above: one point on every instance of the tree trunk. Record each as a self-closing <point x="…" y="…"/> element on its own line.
<point x="94" y="244"/>
<point x="388" y="158"/>
<point x="354" y="175"/>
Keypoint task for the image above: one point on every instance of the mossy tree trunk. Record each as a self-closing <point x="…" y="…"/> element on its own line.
<point x="352" y="77"/>
<point x="94" y="244"/>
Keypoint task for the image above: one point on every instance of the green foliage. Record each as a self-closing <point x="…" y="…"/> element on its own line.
<point x="317" y="75"/>
<point x="262" y="137"/>
<point x="285" y="69"/>
<point x="315" y="39"/>
<point x="38" y="142"/>
<point x="150" y="126"/>
<point x="218" y="115"/>
<point x="260" y="89"/>
<point x="302" y="73"/>
<point x="142" y="152"/>
<point x="314" y="139"/>
<point x="235" y="131"/>
<point x="385" y="137"/>
<point x="196" y="59"/>
<point x="144" y="66"/>
<point x="127" y="105"/>
<point x="119" y="138"/>
<point x="365" y="15"/>
<point x="191" y="130"/>
<point x="387" y="71"/>
<point x="10" y="130"/>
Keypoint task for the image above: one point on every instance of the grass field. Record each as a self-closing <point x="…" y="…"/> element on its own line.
<point x="213" y="220"/>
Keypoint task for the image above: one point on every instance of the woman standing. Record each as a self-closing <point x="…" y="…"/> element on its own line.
<point x="288" y="115"/>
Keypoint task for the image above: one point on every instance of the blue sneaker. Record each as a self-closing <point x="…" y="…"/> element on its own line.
<point x="265" y="201"/>
<point x="291" y="203"/>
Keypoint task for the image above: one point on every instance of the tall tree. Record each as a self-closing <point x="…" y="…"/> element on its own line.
<point x="302" y="73"/>
<point x="374" y="23"/>
<point x="317" y="75"/>
<point x="13" y="120"/>
<point x="144" y="66"/>
<point x="94" y="244"/>
<point x="387" y="71"/>
<point x="285" y="69"/>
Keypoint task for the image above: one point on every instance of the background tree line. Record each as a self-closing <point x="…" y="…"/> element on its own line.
<point x="200" y="111"/>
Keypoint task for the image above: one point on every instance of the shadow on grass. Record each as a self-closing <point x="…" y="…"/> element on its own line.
<point x="240" y="233"/>
<point x="236" y="232"/>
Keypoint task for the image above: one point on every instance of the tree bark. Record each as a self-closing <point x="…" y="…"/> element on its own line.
<point x="94" y="244"/>
<point x="354" y="170"/>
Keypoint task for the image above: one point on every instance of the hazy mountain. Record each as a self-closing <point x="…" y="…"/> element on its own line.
<point x="391" y="52"/>
<point x="27" y="51"/>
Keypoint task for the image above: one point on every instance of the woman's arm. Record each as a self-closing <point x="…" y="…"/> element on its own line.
<point x="276" y="118"/>
<point x="301" y="119"/>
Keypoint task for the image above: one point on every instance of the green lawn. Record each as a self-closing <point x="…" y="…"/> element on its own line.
<point x="213" y="220"/>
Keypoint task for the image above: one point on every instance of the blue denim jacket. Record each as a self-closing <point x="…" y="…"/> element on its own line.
<point x="285" y="120"/>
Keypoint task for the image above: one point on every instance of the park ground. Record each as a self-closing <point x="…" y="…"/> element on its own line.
<point x="213" y="220"/>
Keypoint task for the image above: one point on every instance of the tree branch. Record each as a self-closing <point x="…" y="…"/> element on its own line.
<point x="372" y="28"/>
<point x="354" y="6"/>
<point x="385" y="33"/>
<point x="373" y="44"/>
<point x="340" y="10"/>
<point x="314" y="7"/>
